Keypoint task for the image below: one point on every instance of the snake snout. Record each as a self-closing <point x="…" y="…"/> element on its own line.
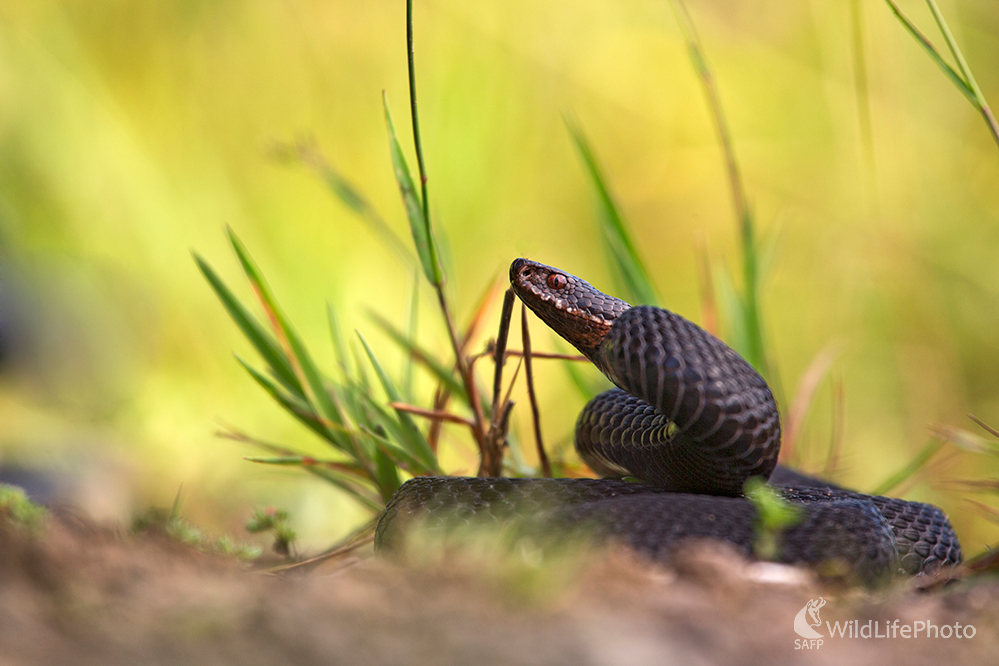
<point x="517" y="267"/>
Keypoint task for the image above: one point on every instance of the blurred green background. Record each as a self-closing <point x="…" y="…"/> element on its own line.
<point x="132" y="132"/>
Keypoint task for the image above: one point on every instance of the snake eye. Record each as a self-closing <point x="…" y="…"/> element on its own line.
<point x="556" y="281"/>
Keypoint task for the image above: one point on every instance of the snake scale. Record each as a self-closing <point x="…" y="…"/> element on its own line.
<point x="692" y="420"/>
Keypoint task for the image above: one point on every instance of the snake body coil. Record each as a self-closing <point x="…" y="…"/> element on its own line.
<point x="693" y="421"/>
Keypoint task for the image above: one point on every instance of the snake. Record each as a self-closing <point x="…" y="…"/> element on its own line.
<point x="688" y="423"/>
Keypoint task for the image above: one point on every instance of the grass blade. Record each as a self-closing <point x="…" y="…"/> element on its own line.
<point x="635" y="278"/>
<point x="969" y="78"/>
<point x="733" y="309"/>
<point x="345" y="482"/>
<point x="709" y="305"/>
<point x="963" y="439"/>
<point x="386" y="426"/>
<point x="262" y="341"/>
<point x="583" y="376"/>
<point x="914" y="466"/>
<point x="305" y="369"/>
<point x="409" y="365"/>
<point x="339" y="347"/>
<point x="417" y="144"/>
<point x="419" y="223"/>
<point x="412" y="436"/>
<point x="399" y="455"/>
<point x="931" y="50"/>
<point x="751" y="319"/>
<point x="386" y="474"/>
<point x="437" y="369"/>
<point x="297" y="407"/>
<point x="804" y="396"/>
<point x="309" y="461"/>
<point x="309" y="154"/>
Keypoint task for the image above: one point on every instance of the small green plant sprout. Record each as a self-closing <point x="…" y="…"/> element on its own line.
<point x="774" y="514"/>
<point x="17" y="508"/>
<point x="274" y="520"/>
<point x="170" y="523"/>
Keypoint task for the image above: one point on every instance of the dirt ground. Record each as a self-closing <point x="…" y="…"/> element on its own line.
<point x="80" y="593"/>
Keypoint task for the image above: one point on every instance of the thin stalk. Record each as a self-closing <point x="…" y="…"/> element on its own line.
<point x="969" y="78"/>
<point x="463" y="370"/>
<point x="709" y="309"/>
<point x="839" y="419"/>
<point x="500" y="352"/>
<point x="547" y="355"/>
<point x="714" y="101"/>
<point x="412" y="106"/>
<point x="312" y="157"/>
<point x="434" y="414"/>
<point x="927" y="45"/>
<point x="441" y="397"/>
<point x="992" y="431"/>
<point x="860" y="82"/>
<point x="414" y="310"/>
<point x="491" y="445"/>
<point x="914" y="465"/>
<point x="525" y="332"/>
<point x="964" y="81"/>
<point x="467" y="379"/>
<point x="744" y="218"/>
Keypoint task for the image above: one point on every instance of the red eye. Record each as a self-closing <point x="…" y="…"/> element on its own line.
<point x="556" y="281"/>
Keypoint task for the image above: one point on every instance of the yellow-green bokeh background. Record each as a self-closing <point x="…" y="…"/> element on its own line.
<point x="132" y="132"/>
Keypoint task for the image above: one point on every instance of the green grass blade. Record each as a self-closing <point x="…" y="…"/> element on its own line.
<point x="307" y="371"/>
<point x="339" y="346"/>
<point x="308" y="461"/>
<point x="384" y="425"/>
<point x="634" y="277"/>
<point x="979" y="100"/>
<point x="409" y="365"/>
<point x="733" y="314"/>
<point x="361" y="379"/>
<point x="261" y="340"/>
<point x="345" y="482"/>
<point x="401" y="456"/>
<point x="931" y="50"/>
<point x="917" y="462"/>
<point x="295" y="406"/>
<point x="419" y="224"/>
<point x="276" y="449"/>
<point x="751" y="321"/>
<point x="412" y="436"/>
<point x="309" y="154"/>
<point x="351" y="197"/>
<point x="443" y="374"/>
<point x="587" y="383"/>
<point x="386" y="473"/>
<point x="952" y="45"/>
<point x="348" y="485"/>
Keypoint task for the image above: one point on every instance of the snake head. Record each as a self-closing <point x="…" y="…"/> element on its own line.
<point x="572" y="307"/>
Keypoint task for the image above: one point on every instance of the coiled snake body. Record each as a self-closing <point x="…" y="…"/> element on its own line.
<point x="693" y="421"/>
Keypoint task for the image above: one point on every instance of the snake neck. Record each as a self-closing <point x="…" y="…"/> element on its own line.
<point x="575" y="309"/>
<point x="700" y="419"/>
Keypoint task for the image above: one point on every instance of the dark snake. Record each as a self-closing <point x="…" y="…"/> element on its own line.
<point x="692" y="420"/>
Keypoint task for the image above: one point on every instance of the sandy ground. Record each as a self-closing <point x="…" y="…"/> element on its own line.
<point x="80" y="593"/>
